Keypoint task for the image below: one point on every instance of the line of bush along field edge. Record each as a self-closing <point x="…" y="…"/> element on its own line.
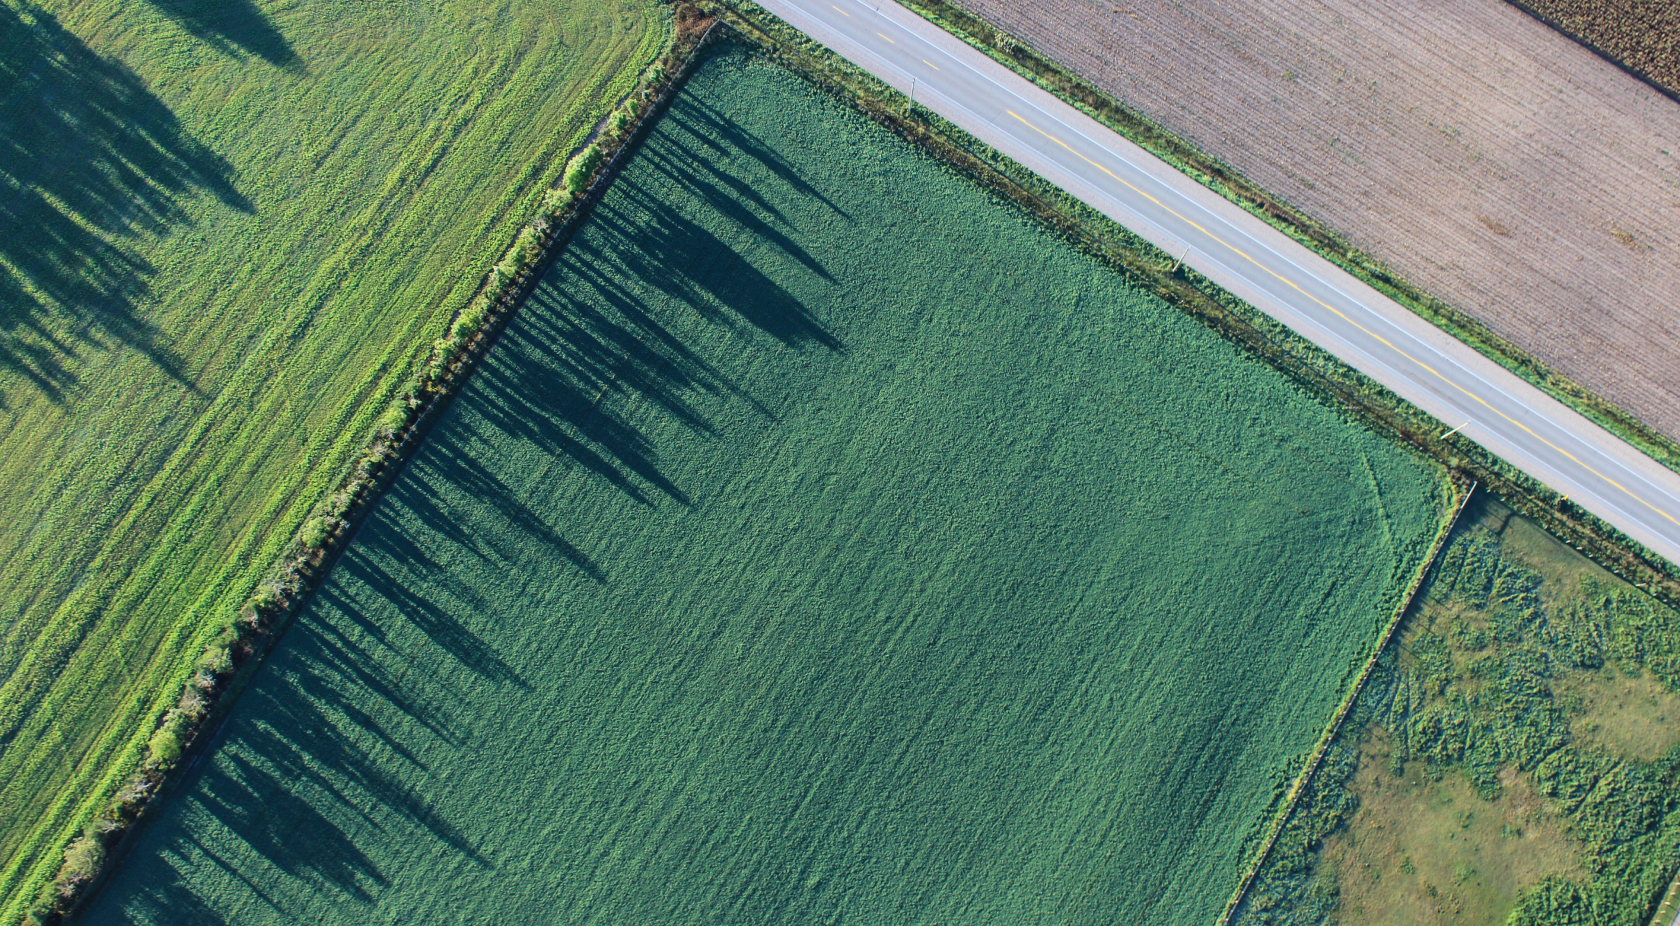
<point x="1584" y="41"/>
<point x="1319" y="372"/>
<point x="185" y="734"/>
<point x="1443" y="534"/>
<point x="237" y="652"/>
<point x="1225" y="180"/>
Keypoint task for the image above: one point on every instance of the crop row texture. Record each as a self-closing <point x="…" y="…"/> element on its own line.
<point x="251" y="221"/>
<point x="822" y="539"/>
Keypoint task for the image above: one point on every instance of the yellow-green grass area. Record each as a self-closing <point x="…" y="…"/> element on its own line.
<point x="231" y="231"/>
<point x="1514" y="760"/>
<point x="823" y="542"/>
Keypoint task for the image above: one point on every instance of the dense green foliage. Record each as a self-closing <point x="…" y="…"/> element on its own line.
<point x="1487" y="687"/>
<point x="232" y="229"/>
<point x="822" y="542"/>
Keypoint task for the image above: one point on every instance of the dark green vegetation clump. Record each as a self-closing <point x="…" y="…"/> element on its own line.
<point x="1529" y="670"/>
<point x="229" y="231"/>
<point x="823" y="543"/>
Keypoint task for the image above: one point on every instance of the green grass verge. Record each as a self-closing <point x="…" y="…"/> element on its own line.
<point x="1199" y="297"/>
<point x="247" y="225"/>
<point x="1280" y="214"/>
<point x="824" y="540"/>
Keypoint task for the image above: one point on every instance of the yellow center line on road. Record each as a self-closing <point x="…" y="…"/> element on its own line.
<point x="1339" y="314"/>
<point x="840" y="11"/>
<point x="930" y="64"/>
<point x="884" y="36"/>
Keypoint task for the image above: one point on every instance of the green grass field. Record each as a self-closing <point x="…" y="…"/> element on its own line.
<point x="823" y="543"/>
<point x="231" y="230"/>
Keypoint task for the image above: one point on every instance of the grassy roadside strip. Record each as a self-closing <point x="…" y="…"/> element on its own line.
<point x="1154" y="269"/>
<point x="1227" y="182"/>
<point x="1302" y="781"/>
<point x="1315" y="369"/>
<point x="240" y="647"/>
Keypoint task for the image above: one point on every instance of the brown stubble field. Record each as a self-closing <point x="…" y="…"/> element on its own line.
<point x="1482" y="155"/>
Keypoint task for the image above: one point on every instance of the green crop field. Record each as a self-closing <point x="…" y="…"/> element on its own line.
<point x="823" y="543"/>
<point x="231" y="228"/>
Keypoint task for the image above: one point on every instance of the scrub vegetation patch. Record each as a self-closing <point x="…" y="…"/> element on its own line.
<point x="824" y="541"/>
<point x="1508" y="764"/>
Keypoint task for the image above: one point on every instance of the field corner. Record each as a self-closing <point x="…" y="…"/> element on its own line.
<point x="1458" y="499"/>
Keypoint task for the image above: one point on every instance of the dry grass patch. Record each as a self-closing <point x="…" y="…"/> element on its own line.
<point x="1636" y="717"/>
<point x="1426" y="849"/>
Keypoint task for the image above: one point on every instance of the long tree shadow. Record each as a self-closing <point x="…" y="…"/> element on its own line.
<point x="296" y="779"/>
<point x="168" y="898"/>
<point x="234" y="27"/>
<point x="626" y="335"/>
<point x="89" y="161"/>
<point x="448" y="462"/>
<point x="600" y="334"/>
<point x="294" y="782"/>
<point x="709" y="126"/>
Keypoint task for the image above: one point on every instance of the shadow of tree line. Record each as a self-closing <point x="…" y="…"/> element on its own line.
<point x="596" y="339"/>
<point x="91" y="162"/>
<point x="233" y="27"/>
<point x="301" y="734"/>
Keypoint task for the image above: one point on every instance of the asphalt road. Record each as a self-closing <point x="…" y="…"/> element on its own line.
<point x="1370" y="332"/>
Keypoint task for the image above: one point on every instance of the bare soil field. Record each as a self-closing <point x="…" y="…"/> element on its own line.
<point x="1641" y="35"/>
<point x="1482" y="155"/>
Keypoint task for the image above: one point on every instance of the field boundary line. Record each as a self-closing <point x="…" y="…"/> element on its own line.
<point x="1024" y="59"/>
<point x="1303" y="780"/>
<point x="1311" y="366"/>
<point x="1668" y="909"/>
<point x="297" y="574"/>
<point x="1557" y="25"/>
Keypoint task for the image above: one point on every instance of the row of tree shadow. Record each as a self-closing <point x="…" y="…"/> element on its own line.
<point x="92" y="164"/>
<point x="599" y="336"/>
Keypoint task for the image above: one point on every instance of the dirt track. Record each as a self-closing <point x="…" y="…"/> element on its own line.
<point x="1489" y="159"/>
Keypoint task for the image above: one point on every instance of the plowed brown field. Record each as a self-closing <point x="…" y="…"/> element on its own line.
<point x="1482" y="155"/>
